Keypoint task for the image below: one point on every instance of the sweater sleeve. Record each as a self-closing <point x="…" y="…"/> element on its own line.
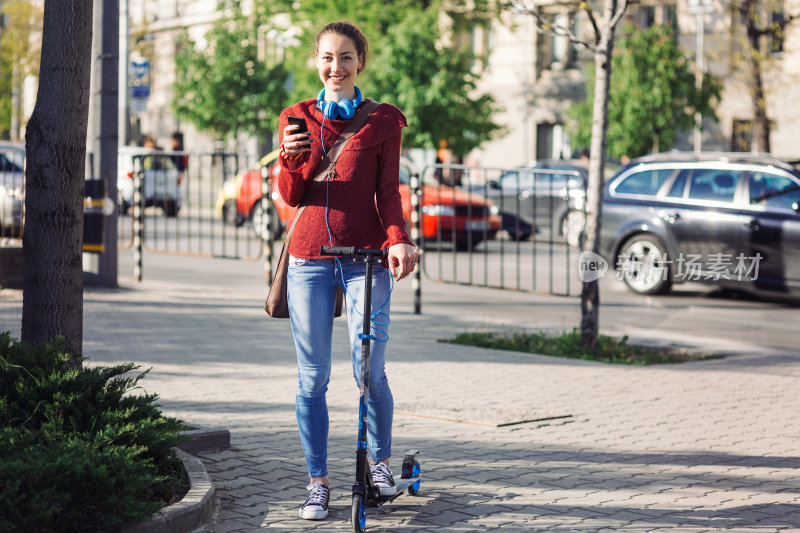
<point x="387" y="194"/>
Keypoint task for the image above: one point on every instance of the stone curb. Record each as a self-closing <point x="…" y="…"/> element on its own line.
<point x="205" y="438"/>
<point x="198" y="505"/>
<point x="195" y="509"/>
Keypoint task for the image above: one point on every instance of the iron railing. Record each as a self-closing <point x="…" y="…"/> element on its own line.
<point x="504" y="228"/>
<point x="197" y="204"/>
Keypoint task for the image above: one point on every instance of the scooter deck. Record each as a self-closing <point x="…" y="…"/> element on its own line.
<point x="401" y="484"/>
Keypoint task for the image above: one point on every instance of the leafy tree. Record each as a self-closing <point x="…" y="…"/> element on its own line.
<point x="52" y="303"/>
<point x="410" y="65"/>
<point x="5" y="95"/>
<point x="652" y="98"/>
<point x="20" y="48"/>
<point x="436" y="89"/>
<point x="227" y="88"/>
<point x="604" y="24"/>
<point x="761" y="20"/>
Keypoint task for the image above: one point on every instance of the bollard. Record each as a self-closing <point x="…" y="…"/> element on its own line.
<point x="138" y="222"/>
<point x="416" y="282"/>
<point x="96" y="206"/>
<point x="270" y="231"/>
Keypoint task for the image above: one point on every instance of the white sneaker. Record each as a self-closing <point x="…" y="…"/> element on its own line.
<point x="316" y="506"/>
<point x="382" y="478"/>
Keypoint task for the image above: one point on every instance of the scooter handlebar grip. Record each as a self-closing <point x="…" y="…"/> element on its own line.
<point x="337" y="250"/>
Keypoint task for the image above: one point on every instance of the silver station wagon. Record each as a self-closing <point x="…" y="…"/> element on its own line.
<point x="729" y="219"/>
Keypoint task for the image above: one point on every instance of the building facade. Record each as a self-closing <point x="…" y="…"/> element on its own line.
<point x="534" y="76"/>
<point x="537" y="76"/>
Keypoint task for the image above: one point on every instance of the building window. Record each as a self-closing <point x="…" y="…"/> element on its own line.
<point x="655" y="15"/>
<point x="670" y="17"/>
<point x="742" y="136"/>
<point x="647" y="17"/>
<point x="558" y="52"/>
<point x="551" y="141"/>
<point x="776" y="38"/>
<point x="479" y="42"/>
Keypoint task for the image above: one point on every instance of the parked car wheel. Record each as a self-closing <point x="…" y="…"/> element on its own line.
<point x="644" y="266"/>
<point x="463" y="245"/>
<point x="231" y="215"/>
<point x="572" y="226"/>
<point x="171" y="208"/>
<point x="258" y="220"/>
<point x="516" y="228"/>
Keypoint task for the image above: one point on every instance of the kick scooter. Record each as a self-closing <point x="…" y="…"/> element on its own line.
<point x="365" y="493"/>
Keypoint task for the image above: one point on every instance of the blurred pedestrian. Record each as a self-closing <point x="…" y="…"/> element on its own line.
<point x="181" y="160"/>
<point x="150" y="161"/>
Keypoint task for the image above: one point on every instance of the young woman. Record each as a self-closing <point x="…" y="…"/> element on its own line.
<point x="360" y="206"/>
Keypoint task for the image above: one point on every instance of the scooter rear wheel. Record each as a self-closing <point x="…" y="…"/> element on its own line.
<point x="358" y="516"/>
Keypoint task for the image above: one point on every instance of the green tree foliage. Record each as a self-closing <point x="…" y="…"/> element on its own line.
<point x="652" y="98"/>
<point x="226" y="88"/>
<point x="436" y="88"/>
<point x="410" y="64"/>
<point x="20" y="48"/>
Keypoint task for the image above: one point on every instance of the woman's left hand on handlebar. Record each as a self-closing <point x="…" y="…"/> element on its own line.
<point x="402" y="259"/>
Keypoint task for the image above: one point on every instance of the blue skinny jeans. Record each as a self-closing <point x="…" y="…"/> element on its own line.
<point x="312" y="297"/>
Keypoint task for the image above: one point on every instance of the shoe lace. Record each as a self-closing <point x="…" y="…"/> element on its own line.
<point x="318" y="494"/>
<point x="381" y="474"/>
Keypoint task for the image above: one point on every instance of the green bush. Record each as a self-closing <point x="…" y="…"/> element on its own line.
<point x="77" y="451"/>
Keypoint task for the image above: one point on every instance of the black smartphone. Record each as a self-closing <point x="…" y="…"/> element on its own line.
<point x="298" y="121"/>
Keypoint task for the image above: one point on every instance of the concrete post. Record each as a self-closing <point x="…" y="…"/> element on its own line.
<point x="103" y="143"/>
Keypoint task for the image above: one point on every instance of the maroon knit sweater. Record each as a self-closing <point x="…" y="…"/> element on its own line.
<point x="363" y="200"/>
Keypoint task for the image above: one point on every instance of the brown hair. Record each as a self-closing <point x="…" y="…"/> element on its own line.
<point x="350" y="30"/>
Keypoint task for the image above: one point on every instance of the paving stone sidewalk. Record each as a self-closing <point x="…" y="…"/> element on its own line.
<point x="703" y="446"/>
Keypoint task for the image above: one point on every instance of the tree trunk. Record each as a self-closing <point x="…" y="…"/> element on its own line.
<point x="16" y="101"/>
<point x="56" y="150"/>
<point x="590" y="294"/>
<point x="761" y="126"/>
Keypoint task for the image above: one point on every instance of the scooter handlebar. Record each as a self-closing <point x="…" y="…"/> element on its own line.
<point x="337" y="250"/>
<point x="344" y="251"/>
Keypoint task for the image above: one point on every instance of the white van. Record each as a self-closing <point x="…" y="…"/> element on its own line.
<point x="163" y="183"/>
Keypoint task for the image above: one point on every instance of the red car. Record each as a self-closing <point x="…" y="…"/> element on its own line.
<point x="239" y="199"/>
<point x="447" y="212"/>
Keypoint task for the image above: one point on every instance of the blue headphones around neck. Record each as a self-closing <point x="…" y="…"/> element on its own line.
<point x="343" y="110"/>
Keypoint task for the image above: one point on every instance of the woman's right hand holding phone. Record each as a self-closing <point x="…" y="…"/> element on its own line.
<point x="295" y="143"/>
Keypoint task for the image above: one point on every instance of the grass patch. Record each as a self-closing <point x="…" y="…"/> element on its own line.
<point x="568" y="344"/>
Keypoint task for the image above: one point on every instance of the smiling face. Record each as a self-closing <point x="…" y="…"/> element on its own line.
<point x="338" y="64"/>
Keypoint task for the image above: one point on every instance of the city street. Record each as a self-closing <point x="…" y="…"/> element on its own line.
<point x="509" y="442"/>
<point x="692" y="315"/>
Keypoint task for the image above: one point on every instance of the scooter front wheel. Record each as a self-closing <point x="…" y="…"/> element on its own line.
<point x="358" y="516"/>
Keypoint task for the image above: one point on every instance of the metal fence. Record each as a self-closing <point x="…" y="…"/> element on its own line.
<point x="196" y="204"/>
<point x="504" y="228"/>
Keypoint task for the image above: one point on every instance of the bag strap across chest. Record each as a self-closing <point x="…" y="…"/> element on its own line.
<point x="328" y="163"/>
